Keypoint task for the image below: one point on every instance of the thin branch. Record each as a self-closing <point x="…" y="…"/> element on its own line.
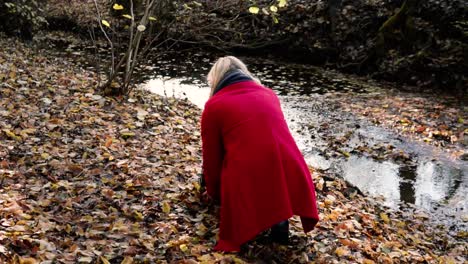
<point x="130" y="46"/>
<point x="139" y="34"/>
<point x="107" y="37"/>
<point x="150" y="44"/>
<point x="97" y="58"/>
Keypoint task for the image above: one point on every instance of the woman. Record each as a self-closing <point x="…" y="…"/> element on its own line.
<point x="251" y="163"/>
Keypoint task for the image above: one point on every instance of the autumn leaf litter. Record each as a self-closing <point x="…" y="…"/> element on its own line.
<point x="92" y="179"/>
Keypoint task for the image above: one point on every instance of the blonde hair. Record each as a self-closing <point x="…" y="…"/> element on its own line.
<point x="222" y="66"/>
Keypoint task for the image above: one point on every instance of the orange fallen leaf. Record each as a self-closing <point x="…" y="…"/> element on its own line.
<point x="342" y="251"/>
<point x="108" y="142"/>
<point x="104" y="260"/>
<point x="127" y="260"/>
<point x="385" y="218"/>
<point x="349" y="243"/>
<point x="27" y="261"/>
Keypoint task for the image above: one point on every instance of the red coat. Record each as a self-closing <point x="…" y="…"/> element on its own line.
<point x="252" y="164"/>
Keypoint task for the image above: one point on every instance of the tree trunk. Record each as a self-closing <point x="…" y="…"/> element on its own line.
<point x="397" y="21"/>
<point x="334" y="7"/>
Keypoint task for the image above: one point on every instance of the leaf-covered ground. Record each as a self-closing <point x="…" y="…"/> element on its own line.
<point x="89" y="179"/>
<point x="438" y="120"/>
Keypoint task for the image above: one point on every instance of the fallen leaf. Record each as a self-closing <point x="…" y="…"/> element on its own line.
<point x="342" y="251"/>
<point x="166" y="207"/>
<point x="385" y="218"/>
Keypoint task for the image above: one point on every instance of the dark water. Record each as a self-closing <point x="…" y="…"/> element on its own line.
<point x="430" y="181"/>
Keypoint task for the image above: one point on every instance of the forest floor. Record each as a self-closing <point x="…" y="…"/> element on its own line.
<point x="92" y="179"/>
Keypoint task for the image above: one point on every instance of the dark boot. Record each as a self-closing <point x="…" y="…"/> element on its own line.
<point x="280" y="233"/>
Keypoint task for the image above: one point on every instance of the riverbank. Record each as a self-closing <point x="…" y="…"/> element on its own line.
<point x="86" y="178"/>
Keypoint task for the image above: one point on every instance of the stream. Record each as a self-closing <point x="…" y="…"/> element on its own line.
<point x="431" y="182"/>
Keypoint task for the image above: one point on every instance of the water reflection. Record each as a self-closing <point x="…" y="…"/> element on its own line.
<point x="427" y="185"/>
<point x="407" y="175"/>
<point x="375" y="178"/>
<point x="316" y="160"/>
<point x="440" y="184"/>
<point x="179" y="88"/>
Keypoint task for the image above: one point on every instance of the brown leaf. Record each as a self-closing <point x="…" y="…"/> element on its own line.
<point x="385" y="218"/>
<point x="350" y="243"/>
<point x="108" y="142"/>
<point x="342" y="251"/>
<point x="27" y="261"/>
<point x="75" y="168"/>
<point x="131" y="251"/>
<point x="12" y="208"/>
<point x="166" y="207"/>
<point x="186" y="261"/>
<point x="104" y="260"/>
<point x="127" y="260"/>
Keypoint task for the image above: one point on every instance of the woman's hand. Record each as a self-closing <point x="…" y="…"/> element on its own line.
<point x="206" y="198"/>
